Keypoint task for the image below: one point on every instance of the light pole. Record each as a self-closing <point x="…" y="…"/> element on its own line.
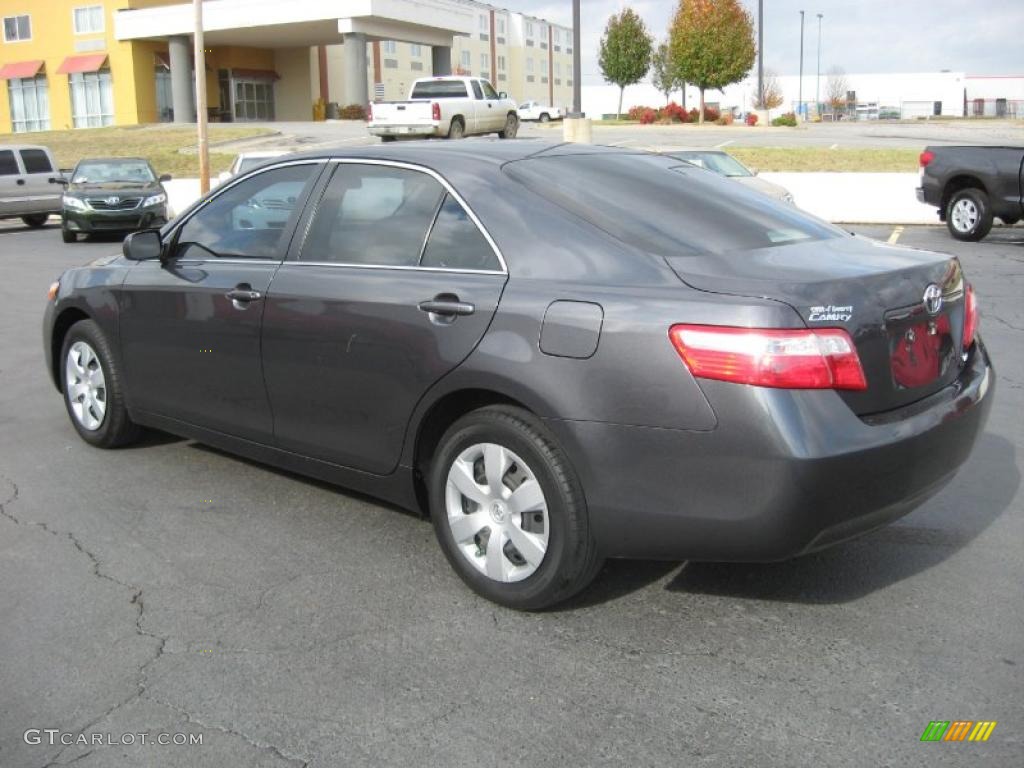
<point x="800" y="85"/>
<point x="577" y="74"/>
<point x="760" y="54"/>
<point x="200" y="57"/>
<point x="817" y="79"/>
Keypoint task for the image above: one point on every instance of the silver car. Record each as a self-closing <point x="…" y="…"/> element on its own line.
<point x="724" y="164"/>
<point x="26" y="191"/>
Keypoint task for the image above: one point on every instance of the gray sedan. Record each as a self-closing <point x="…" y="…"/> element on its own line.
<point x="558" y="353"/>
<point x="724" y="164"/>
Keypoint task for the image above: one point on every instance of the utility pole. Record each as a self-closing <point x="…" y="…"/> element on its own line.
<point x="760" y="54"/>
<point x="817" y="80"/>
<point x="200" y="57"/>
<point x="800" y="86"/>
<point x="577" y="58"/>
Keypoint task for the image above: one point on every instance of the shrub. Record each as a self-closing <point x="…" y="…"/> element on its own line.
<point x="648" y="116"/>
<point x="751" y="118"/>
<point x="635" y="113"/>
<point x="710" y="114"/>
<point x="725" y="119"/>
<point x="352" y="112"/>
<point x="788" y="119"/>
<point x="675" y="113"/>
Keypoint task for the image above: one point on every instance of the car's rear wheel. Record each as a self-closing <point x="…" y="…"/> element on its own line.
<point x="511" y="127"/>
<point x="387" y="139"/>
<point x="1009" y="221"/>
<point x="457" y="128"/>
<point x="968" y="214"/>
<point x="509" y="512"/>
<point x="68" y="236"/>
<point x="35" y="220"/>
<point x="92" y="386"/>
<point x="545" y="117"/>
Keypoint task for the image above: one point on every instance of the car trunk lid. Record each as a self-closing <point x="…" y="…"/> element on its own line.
<point x="909" y="345"/>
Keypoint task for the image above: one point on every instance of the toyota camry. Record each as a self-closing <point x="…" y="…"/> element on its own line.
<point x="559" y="353"/>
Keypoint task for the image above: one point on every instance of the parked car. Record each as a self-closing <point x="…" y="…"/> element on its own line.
<point x="559" y="355"/>
<point x="26" y="189"/>
<point x="451" y="107"/>
<point x="724" y="164"/>
<point x="246" y="161"/>
<point x="115" y="194"/>
<point x="971" y="186"/>
<point x="534" y="110"/>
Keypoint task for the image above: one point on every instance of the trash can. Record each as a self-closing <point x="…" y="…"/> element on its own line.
<point x="333" y="111"/>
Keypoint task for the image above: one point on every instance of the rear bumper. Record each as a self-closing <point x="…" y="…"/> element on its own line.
<point x="114" y="221"/>
<point x="412" y="129"/>
<point x="784" y="472"/>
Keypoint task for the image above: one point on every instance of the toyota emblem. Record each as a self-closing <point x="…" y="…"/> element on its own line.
<point x="112" y="200"/>
<point x="933" y="299"/>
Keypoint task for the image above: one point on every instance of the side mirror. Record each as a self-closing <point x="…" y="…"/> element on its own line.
<point x="58" y="180"/>
<point x="143" y="246"/>
<point x="502" y="95"/>
<point x="165" y="177"/>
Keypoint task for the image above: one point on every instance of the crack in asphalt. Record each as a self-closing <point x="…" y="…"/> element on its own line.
<point x="161" y="643"/>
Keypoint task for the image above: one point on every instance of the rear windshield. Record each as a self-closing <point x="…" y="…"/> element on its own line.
<point x="664" y="206"/>
<point x="439" y="89"/>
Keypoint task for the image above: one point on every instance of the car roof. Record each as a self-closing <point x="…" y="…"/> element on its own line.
<point x="24" y="146"/>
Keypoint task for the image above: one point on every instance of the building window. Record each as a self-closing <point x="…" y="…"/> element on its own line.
<point x="557" y="81"/>
<point x="389" y="46"/>
<point x="390" y="63"/>
<point x="416" y="66"/>
<point x="568" y="50"/>
<point x="501" y="63"/>
<point x="92" y="99"/>
<point x="30" y="104"/>
<point x="484" y="36"/>
<point x="528" y="26"/>
<point x="466" y="62"/>
<point x="544" y="46"/>
<point x="543" y="65"/>
<point x="558" y="35"/>
<point x="501" y="26"/>
<point x="501" y="77"/>
<point x="415" y="50"/>
<point x="499" y="40"/>
<point x="529" y="78"/>
<point x="88" y="19"/>
<point x="558" y="48"/>
<point x="254" y="99"/>
<point x="485" y="76"/>
<point x="529" y="65"/>
<point x="17" y="28"/>
<point x="485" y="23"/>
<point x="543" y="30"/>
<point x="558" y="68"/>
<point x="569" y="68"/>
<point x="530" y="43"/>
<point x="485" y="61"/>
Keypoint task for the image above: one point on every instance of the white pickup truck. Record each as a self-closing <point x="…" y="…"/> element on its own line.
<point x="446" y="106"/>
<point x="534" y="110"/>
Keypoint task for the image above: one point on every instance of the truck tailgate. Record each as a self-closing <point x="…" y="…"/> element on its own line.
<point x="402" y="113"/>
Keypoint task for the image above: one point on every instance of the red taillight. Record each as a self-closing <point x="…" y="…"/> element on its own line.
<point x="926" y="157"/>
<point x="823" y="358"/>
<point x="970" y="317"/>
<point x="435" y="111"/>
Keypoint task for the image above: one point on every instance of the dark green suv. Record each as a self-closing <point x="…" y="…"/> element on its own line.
<point x="115" y="194"/>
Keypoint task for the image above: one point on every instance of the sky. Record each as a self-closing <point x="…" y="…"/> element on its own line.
<point x="979" y="37"/>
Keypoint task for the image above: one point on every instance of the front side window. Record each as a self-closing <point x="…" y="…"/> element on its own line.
<point x="88" y="19"/>
<point x="456" y="242"/>
<point x="248" y="220"/>
<point x="92" y="99"/>
<point x="489" y="91"/>
<point x="17" y="28"/>
<point x="372" y="215"/>
<point x="30" y="103"/>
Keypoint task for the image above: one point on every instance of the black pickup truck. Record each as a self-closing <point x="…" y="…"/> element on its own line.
<point x="972" y="185"/>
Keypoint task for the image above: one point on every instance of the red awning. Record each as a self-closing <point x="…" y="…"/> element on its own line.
<point x="256" y="74"/>
<point x="75" y="64"/>
<point x="20" y="69"/>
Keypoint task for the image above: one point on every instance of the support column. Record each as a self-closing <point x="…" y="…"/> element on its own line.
<point x="354" y="75"/>
<point x="441" y="59"/>
<point x="182" y="97"/>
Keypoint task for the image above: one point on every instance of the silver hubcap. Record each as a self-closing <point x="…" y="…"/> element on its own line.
<point x="497" y="512"/>
<point x="85" y="385"/>
<point x="511" y="127"/>
<point x="965" y="215"/>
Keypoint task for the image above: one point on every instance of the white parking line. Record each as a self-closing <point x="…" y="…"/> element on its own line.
<point x="724" y="144"/>
<point x="620" y="143"/>
<point x="895" y="235"/>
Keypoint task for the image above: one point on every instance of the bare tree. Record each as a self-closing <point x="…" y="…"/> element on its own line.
<point x="771" y="93"/>
<point x="836" y="89"/>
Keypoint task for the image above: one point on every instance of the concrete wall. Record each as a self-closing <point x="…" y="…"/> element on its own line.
<point x="295" y="91"/>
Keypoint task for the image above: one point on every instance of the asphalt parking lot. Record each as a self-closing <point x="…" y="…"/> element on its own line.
<point x="170" y="588"/>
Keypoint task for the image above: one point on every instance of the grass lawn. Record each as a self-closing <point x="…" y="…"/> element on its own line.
<point x="159" y="144"/>
<point x="825" y="159"/>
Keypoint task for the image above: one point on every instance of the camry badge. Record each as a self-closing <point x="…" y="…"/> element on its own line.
<point x="112" y="200"/>
<point x="933" y="299"/>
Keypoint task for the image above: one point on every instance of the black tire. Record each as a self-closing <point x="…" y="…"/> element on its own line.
<point x="511" y="127"/>
<point x="116" y="427"/>
<point x="571" y="560"/>
<point x="545" y="117"/>
<point x="35" y="220"/>
<point x="969" y="214"/>
<point x="1009" y="222"/>
<point x="68" y="236"/>
<point x="456" y="129"/>
<point x="387" y="139"/>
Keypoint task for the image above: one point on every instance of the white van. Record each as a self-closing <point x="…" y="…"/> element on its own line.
<point x="26" y="189"/>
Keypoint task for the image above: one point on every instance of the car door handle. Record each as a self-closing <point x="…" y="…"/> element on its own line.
<point x="243" y="295"/>
<point x="447" y="307"/>
<point x="21" y="182"/>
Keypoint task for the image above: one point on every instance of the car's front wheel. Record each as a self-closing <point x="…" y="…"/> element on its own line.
<point x="969" y="214"/>
<point x="92" y="387"/>
<point x="68" y="236"/>
<point x="509" y="512"/>
<point x="545" y="117"/>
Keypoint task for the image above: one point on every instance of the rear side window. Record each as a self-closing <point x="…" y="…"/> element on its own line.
<point x="372" y="215"/>
<point x="665" y="207"/>
<point x="36" y="161"/>
<point x="439" y="89"/>
<point x="8" y="165"/>
<point x="456" y="242"/>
